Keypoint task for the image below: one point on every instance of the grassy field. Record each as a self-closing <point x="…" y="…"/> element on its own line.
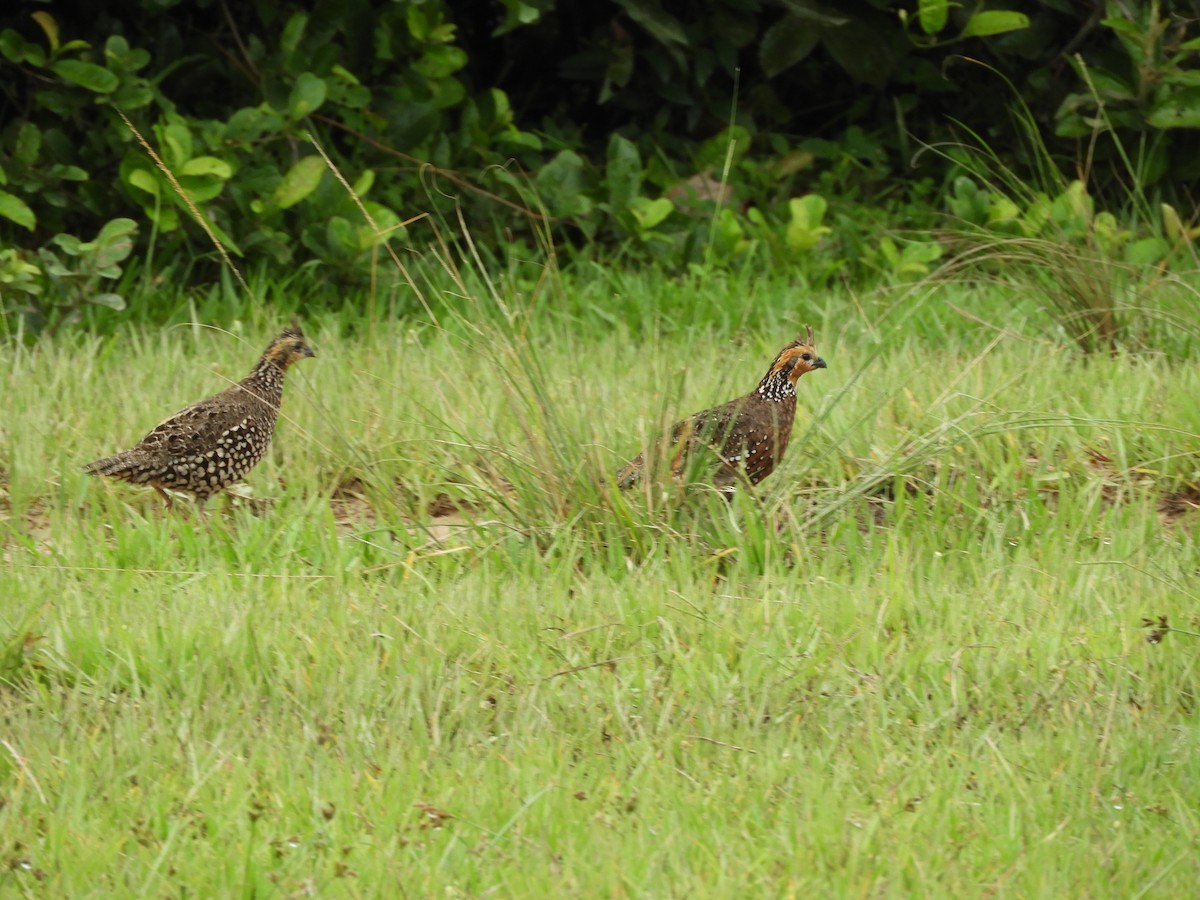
<point x="432" y="651"/>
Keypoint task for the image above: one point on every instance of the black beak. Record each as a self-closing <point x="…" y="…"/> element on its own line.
<point x="309" y="351"/>
<point x="818" y="363"/>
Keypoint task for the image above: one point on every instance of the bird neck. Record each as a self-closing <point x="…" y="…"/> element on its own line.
<point x="776" y="388"/>
<point x="266" y="381"/>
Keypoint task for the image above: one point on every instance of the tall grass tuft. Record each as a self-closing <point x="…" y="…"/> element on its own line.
<point x="1105" y="279"/>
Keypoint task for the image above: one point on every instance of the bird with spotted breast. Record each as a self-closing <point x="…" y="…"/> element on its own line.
<point x="209" y="445"/>
<point x="748" y="435"/>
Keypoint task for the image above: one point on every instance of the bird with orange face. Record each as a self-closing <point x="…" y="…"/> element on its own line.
<point x="748" y="435"/>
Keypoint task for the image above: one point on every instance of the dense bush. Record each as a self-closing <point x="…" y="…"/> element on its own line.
<point x="716" y="129"/>
<point x="228" y="100"/>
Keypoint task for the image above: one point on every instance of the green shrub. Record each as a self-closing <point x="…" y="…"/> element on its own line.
<point x="613" y="128"/>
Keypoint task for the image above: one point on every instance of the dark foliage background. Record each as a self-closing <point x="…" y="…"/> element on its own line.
<point x="715" y="130"/>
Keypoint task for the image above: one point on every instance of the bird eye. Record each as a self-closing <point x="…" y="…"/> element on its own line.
<point x="806" y="357"/>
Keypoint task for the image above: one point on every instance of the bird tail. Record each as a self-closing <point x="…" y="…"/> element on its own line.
<point x="113" y="465"/>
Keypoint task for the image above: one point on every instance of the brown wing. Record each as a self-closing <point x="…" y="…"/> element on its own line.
<point x="713" y="429"/>
<point x="746" y="434"/>
<point x="743" y="435"/>
<point x="200" y="425"/>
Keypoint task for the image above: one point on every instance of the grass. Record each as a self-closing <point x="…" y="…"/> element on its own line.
<point x="913" y="664"/>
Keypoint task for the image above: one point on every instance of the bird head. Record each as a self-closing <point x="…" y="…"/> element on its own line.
<point x="794" y="360"/>
<point x="289" y="347"/>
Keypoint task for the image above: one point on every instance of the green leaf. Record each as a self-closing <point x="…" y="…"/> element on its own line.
<point x="17" y="50"/>
<point x="176" y="142"/>
<point x="28" y="143"/>
<point x="1182" y="77"/>
<point x="354" y="96"/>
<point x="87" y="75"/>
<point x="932" y="15"/>
<point x="440" y="61"/>
<point x="16" y="210"/>
<point x="307" y="95"/>
<point x="1108" y="234"/>
<point x="804" y="230"/>
<point x="200" y="188"/>
<point x="226" y="241"/>
<point x="650" y="213"/>
<point x="50" y="26"/>
<point x="133" y="94"/>
<point x="734" y="142"/>
<point x="12" y="46"/>
<point x="70" y="244"/>
<point x="519" y="13"/>
<point x="1074" y="208"/>
<point x="812" y="11"/>
<point x="1177" y="109"/>
<point x="341" y="235"/>
<point x="1002" y="211"/>
<point x="115" y="47"/>
<point x="418" y="21"/>
<point x="1111" y="86"/>
<point x="385" y="219"/>
<point x="345" y="74"/>
<point x="447" y="93"/>
<point x="165" y="216"/>
<point x="144" y="180"/>
<point x="114" y="242"/>
<point x="619" y="69"/>
<point x="520" y="139"/>
<point x="52" y="265"/>
<point x="995" y="21"/>
<point x="865" y="50"/>
<point x="293" y="32"/>
<point x="623" y="172"/>
<point x="890" y="254"/>
<point x="1147" y="252"/>
<point x="19" y="274"/>
<point x="664" y="27"/>
<point x="785" y="44"/>
<point x="207" y="165"/>
<point x="560" y="184"/>
<point x="914" y="258"/>
<point x="112" y="301"/>
<point x="299" y="181"/>
<point x="116" y="229"/>
<point x="251" y="122"/>
<point x="120" y="56"/>
<point x="728" y="236"/>
<point x="1171" y="222"/>
<point x="364" y="183"/>
<point x="501" y="109"/>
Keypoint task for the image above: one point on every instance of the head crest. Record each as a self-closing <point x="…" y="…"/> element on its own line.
<point x="293" y="330"/>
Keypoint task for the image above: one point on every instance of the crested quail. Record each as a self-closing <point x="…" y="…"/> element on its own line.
<point x="212" y="444"/>
<point x="749" y="435"/>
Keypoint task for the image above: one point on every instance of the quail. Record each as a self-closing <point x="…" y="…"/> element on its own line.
<point x="212" y="444"/>
<point x="748" y="435"/>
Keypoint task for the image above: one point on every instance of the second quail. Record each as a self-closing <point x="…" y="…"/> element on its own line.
<point x="210" y="445"/>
